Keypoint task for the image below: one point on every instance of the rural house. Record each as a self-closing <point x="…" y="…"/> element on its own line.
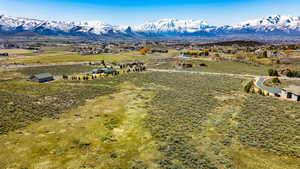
<point x="108" y="71"/>
<point x="42" y="78"/>
<point x="3" y="54"/>
<point x="292" y="93"/>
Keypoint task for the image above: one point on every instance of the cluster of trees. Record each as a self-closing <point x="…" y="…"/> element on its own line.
<point x="273" y="72"/>
<point x="265" y="54"/>
<point x="144" y="51"/>
<point x="248" y="86"/>
<point x="293" y="74"/>
<point x="290" y="73"/>
<point x="66" y="77"/>
<point x="85" y="77"/>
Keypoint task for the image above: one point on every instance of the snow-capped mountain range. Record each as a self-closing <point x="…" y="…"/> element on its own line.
<point x="174" y="25"/>
<point x="272" y="25"/>
<point x="17" y="24"/>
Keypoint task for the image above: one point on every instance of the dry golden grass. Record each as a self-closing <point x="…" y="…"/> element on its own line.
<point x="294" y="55"/>
<point x="263" y="61"/>
<point x="64" y="57"/>
<point x="15" y="51"/>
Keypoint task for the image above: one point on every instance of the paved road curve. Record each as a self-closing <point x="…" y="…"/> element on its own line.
<point x="259" y="82"/>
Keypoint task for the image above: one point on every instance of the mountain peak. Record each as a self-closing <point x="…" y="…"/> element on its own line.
<point x="174" y="25"/>
<point x="270" y="23"/>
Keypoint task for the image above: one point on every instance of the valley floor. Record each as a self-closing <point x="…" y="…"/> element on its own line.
<point x="149" y="120"/>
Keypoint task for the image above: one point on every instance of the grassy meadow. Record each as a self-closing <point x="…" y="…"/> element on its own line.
<point x="63" y="57"/>
<point x="51" y="56"/>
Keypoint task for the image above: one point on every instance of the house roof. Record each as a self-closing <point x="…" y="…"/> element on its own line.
<point x="94" y="70"/>
<point x="109" y="70"/>
<point x="43" y="75"/>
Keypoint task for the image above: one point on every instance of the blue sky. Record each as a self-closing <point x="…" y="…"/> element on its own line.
<point x="129" y="12"/>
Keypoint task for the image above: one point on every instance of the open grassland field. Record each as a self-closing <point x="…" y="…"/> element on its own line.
<point x="221" y="67"/>
<point x="15" y="51"/>
<point x="14" y="54"/>
<point x="201" y="123"/>
<point x="146" y="120"/>
<point x="60" y="53"/>
<point x="23" y="101"/>
<point x="270" y="124"/>
<point x="72" y="57"/>
<point x="10" y="75"/>
<point x="56" y="69"/>
<point x="64" y="56"/>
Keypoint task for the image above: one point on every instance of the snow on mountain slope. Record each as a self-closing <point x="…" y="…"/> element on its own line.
<point x="173" y="25"/>
<point x="284" y="24"/>
<point x="9" y="23"/>
<point x="279" y="25"/>
<point x="23" y="24"/>
<point x="271" y="23"/>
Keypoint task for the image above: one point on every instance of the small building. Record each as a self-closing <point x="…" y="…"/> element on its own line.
<point x="108" y="71"/>
<point x="94" y="71"/>
<point x="295" y="97"/>
<point x="135" y="63"/>
<point x="183" y="56"/>
<point x="42" y="78"/>
<point x="292" y="93"/>
<point x="158" y="51"/>
<point x="286" y="94"/>
<point x="3" y="54"/>
<point x="37" y="51"/>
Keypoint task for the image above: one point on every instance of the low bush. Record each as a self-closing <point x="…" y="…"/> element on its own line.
<point x="276" y="81"/>
<point x="273" y="72"/>
<point x="248" y="87"/>
<point x="270" y="124"/>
